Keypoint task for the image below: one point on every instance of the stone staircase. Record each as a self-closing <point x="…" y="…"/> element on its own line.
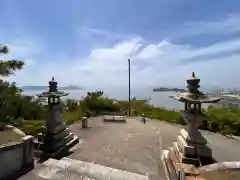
<point x="176" y="160"/>
<point x="70" y="169"/>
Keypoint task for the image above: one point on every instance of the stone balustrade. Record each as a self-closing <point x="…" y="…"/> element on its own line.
<point x="17" y="158"/>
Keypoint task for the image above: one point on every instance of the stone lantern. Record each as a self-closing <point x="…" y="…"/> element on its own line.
<point x="191" y="147"/>
<point x="56" y="137"/>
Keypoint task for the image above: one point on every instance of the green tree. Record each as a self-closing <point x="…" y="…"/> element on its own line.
<point x="13" y="105"/>
<point x="8" y="67"/>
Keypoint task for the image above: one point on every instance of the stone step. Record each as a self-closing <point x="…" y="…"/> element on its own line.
<point x="168" y="166"/>
<point x="191" y="161"/>
<point x="184" y="147"/>
<point x="177" y="151"/>
<point x="56" y="137"/>
<point x="66" y="147"/>
<point x="73" y="142"/>
<point x="60" y="127"/>
<point x="188" y="168"/>
<point x="53" y="172"/>
<point x="174" y="159"/>
<point x="69" y="166"/>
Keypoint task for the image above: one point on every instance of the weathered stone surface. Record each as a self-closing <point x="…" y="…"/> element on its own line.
<point x="16" y="158"/>
<point x="58" y="128"/>
<point x="169" y="170"/>
<point x="56" y="137"/>
<point x="220" y="166"/>
<point x="53" y="137"/>
<point x="68" y="168"/>
<point x="130" y="146"/>
<point x="137" y="147"/>
<point x="193" y="136"/>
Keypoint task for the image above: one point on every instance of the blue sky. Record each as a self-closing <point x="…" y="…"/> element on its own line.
<point x="88" y="42"/>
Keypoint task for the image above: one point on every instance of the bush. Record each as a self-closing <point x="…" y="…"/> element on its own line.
<point x="220" y="120"/>
<point x="17" y="106"/>
<point x="32" y="127"/>
<point x="224" y="121"/>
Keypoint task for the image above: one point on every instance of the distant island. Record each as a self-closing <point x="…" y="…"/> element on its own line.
<point x="164" y="89"/>
<point x="36" y="88"/>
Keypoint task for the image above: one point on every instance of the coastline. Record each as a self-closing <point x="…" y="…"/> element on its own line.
<point x="159" y="99"/>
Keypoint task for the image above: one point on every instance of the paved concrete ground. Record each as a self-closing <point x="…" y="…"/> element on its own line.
<point x="130" y="146"/>
<point x="136" y="147"/>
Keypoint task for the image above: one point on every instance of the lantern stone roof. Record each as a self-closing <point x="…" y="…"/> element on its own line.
<point x="196" y="98"/>
<point x="193" y="95"/>
<point x="52" y="94"/>
<point x="53" y="90"/>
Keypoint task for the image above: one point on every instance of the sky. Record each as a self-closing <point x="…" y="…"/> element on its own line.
<point x="88" y="42"/>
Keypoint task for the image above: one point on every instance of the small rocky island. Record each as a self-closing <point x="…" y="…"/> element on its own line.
<point x="164" y="89"/>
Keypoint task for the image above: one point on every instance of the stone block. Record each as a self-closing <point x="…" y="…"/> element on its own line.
<point x="73" y="142"/>
<point x="193" y="151"/>
<point x="185" y="148"/>
<point x="66" y="147"/>
<point x="63" y="148"/>
<point x="174" y="159"/>
<point x="28" y="151"/>
<point x="177" y="150"/>
<point x="97" y="171"/>
<point x="51" y="147"/>
<point x="204" y="151"/>
<point x="74" y="169"/>
<point x="193" y="137"/>
<point x="54" y="137"/>
<point x="58" y="128"/>
<point x="168" y="167"/>
<point x="192" y="161"/>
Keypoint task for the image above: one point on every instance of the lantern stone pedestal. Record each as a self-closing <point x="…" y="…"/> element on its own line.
<point x="191" y="141"/>
<point x="56" y="137"/>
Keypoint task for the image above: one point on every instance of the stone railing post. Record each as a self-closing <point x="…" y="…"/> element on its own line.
<point x="28" y="152"/>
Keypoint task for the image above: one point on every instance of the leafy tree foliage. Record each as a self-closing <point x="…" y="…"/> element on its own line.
<point x="13" y="105"/>
<point x="97" y="102"/>
<point x="10" y="66"/>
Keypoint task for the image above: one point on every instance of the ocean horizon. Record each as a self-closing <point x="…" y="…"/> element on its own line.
<point x="158" y="99"/>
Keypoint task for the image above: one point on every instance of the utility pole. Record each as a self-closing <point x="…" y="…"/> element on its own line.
<point x="129" y="88"/>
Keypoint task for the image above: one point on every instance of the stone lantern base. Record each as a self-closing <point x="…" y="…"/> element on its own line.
<point x="55" y="143"/>
<point x="185" y="156"/>
<point x="187" y="153"/>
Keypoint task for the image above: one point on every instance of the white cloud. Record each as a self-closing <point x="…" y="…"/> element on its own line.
<point x="153" y="64"/>
<point x="227" y="25"/>
<point x="175" y="53"/>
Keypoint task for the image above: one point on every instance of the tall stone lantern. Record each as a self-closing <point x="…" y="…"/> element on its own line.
<point x="191" y="147"/>
<point x="56" y="137"/>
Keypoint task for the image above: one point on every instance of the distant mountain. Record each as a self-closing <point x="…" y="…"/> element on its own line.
<point x="36" y="88"/>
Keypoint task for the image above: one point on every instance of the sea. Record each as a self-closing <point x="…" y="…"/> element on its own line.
<point x="158" y="99"/>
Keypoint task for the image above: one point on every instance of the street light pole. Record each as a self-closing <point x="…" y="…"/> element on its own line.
<point x="129" y="88"/>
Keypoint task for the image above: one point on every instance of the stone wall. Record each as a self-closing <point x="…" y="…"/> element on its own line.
<point x="16" y="158"/>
